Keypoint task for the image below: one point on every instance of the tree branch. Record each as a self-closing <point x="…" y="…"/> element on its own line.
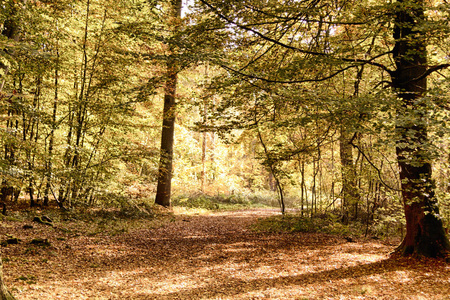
<point x="296" y="49"/>
<point x="430" y="70"/>
<point x="287" y="81"/>
<point x="372" y="164"/>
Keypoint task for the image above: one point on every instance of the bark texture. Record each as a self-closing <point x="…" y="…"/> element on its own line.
<point x="425" y="235"/>
<point x="164" y="187"/>
<point x="166" y="156"/>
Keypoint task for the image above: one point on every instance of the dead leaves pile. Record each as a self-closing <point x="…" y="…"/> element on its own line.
<point x="213" y="256"/>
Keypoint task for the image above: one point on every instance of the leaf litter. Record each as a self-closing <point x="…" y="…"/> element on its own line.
<point x="211" y="256"/>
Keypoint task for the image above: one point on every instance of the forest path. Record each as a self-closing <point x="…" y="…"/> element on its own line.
<point x="217" y="256"/>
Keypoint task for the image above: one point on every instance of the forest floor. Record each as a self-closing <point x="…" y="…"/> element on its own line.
<point x="208" y="256"/>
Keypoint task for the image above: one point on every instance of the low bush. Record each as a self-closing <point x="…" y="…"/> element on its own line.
<point x="324" y="223"/>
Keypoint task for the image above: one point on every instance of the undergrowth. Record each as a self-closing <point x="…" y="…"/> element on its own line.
<point x="324" y="223"/>
<point x="221" y="202"/>
<point x="94" y="221"/>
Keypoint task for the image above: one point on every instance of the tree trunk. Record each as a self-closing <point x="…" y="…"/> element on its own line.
<point x="425" y="235"/>
<point x="313" y="189"/>
<point x="52" y="134"/>
<point x="302" y="186"/>
<point x="166" y="156"/>
<point x="212" y="158"/>
<point x="350" y="195"/>
<point x="204" y="146"/>
<point x="163" y="190"/>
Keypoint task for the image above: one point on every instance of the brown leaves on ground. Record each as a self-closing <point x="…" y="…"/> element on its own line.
<point x="213" y="256"/>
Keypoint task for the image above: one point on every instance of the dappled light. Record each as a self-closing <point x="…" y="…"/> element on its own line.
<point x="210" y="149"/>
<point x="217" y="256"/>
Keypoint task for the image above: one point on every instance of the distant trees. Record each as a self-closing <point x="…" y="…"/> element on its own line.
<point x="189" y="43"/>
<point x="297" y="63"/>
<point x="10" y="34"/>
<point x="343" y="102"/>
<point x="81" y="84"/>
<point x="73" y="79"/>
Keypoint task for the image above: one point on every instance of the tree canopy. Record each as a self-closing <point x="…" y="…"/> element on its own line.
<point x="329" y="106"/>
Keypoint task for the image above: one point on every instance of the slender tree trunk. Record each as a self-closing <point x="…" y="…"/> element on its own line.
<point x="272" y="169"/>
<point x="271" y="182"/>
<point x="313" y="188"/>
<point x="350" y="195"/>
<point x="212" y="148"/>
<point x="163" y="190"/>
<point x="203" y="174"/>
<point x="31" y="132"/>
<point x="10" y="30"/>
<point x="302" y="185"/>
<point x="81" y="110"/>
<point x="52" y="136"/>
<point x="212" y="157"/>
<point x="425" y="235"/>
<point x="204" y="146"/>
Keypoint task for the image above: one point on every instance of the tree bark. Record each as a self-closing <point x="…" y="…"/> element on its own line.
<point x="163" y="190"/>
<point x="350" y="194"/>
<point x="52" y="134"/>
<point x="425" y="235"/>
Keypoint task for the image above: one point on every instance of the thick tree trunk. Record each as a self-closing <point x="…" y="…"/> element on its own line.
<point x="425" y="235"/>
<point x="166" y="156"/>
<point x="163" y="190"/>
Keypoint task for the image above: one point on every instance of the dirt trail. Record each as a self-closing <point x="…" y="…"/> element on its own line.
<point x="217" y="256"/>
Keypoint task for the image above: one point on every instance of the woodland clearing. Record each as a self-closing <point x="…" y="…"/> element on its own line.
<point x="213" y="255"/>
